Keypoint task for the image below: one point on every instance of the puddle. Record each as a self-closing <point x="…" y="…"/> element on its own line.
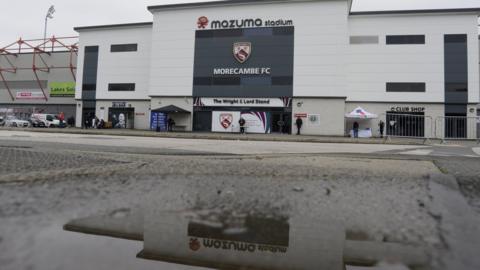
<point x="230" y="240"/>
<point x="54" y="248"/>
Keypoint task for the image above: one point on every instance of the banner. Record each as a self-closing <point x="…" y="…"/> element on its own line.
<point x="242" y="102"/>
<point x="30" y="95"/>
<point x="158" y="120"/>
<point x="62" y="89"/>
<point x="257" y="122"/>
<point x="225" y="122"/>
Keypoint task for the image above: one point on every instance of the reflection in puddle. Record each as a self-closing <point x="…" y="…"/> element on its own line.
<point x="230" y="240"/>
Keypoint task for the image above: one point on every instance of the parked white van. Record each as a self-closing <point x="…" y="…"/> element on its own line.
<point x="44" y="120"/>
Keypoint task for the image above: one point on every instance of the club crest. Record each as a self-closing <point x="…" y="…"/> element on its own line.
<point x="242" y="51"/>
<point x="226" y="120"/>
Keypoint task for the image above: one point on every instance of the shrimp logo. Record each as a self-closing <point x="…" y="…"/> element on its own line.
<point x="194" y="244"/>
<point x="202" y="22"/>
<point x="242" y="51"/>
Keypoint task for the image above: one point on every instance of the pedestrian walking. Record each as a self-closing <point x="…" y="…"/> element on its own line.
<point x="356" y="126"/>
<point x="95" y="122"/>
<point x="299" y="124"/>
<point x="241" y="122"/>
<point x="381" y="126"/>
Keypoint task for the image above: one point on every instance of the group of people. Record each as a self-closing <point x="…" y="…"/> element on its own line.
<point x="94" y="122"/>
<point x="356" y="128"/>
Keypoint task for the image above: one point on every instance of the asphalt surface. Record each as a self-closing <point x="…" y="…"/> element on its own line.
<point x="381" y="193"/>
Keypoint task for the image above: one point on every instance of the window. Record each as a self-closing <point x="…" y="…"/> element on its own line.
<point x="121" y="87"/>
<point x="124" y="48"/>
<point x="90" y="66"/>
<point x="405" y="39"/>
<point x="363" y="39"/>
<point x="226" y="81"/>
<point x="282" y="80"/>
<point x="405" y="87"/>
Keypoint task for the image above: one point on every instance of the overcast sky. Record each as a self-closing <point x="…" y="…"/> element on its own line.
<point x="26" y="18"/>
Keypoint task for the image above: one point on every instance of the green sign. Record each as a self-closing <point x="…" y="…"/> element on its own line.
<point x="62" y="89"/>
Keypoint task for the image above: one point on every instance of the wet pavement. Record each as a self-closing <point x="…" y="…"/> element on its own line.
<point x="380" y="194"/>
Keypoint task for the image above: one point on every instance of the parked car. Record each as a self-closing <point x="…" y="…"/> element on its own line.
<point x="2" y="121"/>
<point x="44" y="120"/>
<point x="13" y="121"/>
<point x="37" y="123"/>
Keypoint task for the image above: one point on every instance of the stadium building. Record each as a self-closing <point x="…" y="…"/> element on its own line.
<point x="38" y="76"/>
<point x="207" y="64"/>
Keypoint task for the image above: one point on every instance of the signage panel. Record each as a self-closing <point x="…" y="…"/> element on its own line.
<point x="242" y="102"/>
<point x="62" y="89"/>
<point x="248" y="62"/>
<point x="257" y="122"/>
<point x="29" y="95"/>
<point x="119" y="104"/>
<point x="225" y="122"/>
<point x="203" y="22"/>
<point x="158" y="121"/>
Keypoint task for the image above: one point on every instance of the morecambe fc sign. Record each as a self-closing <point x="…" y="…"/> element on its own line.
<point x="242" y="51"/>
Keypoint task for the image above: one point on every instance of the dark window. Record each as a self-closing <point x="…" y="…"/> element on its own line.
<point x="256" y="81"/>
<point x="90" y="66"/>
<point x="282" y="31"/>
<point x="228" y="33"/>
<point x="405" y="39"/>
<point x="202" y="81"/>
<point x="250" y="32"/>
<point x="406" y="87"/>
<point x="121" y="87"/>
<point x="226" y="81"/>
<point x="282" y="80"/>
<point x="204" y="34"/>
<point x="124" y="48"/>
<point x="456" y="75"/>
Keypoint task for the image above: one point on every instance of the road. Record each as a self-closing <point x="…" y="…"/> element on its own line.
<point x="425" y="196"/>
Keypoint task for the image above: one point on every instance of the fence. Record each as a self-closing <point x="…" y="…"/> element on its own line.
<point x="457" y="128"/>
<point x="425" y="127"/>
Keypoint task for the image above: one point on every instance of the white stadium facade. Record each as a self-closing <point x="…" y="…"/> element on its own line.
<point x="205" y="65"/>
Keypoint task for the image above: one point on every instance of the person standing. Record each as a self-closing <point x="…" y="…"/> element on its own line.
<point x="356" y="126"/>
<point x="241" y="122"/>
<point x="381" y="125"/>
<point x="61" y="119"/>
<point x="170" y="124"/>
<point x="299" y="124"/>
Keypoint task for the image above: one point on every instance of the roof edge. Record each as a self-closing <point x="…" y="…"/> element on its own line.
<point x="223" y="3"/>
<point x="108" y="26"/>
<point x="417" y="11"/>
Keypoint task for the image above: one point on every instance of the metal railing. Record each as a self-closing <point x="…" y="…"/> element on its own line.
<point x="408" y="126"/>
<point x="457" y="128"/>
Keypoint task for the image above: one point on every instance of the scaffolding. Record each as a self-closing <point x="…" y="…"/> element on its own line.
<point x="39" y="48"/>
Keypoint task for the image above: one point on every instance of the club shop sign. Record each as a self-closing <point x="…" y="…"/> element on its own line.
<point x="204" y="22"/>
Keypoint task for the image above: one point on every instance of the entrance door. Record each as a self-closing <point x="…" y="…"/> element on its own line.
<point x="281" y="122"/>
<point x="277" y="122"/>
<point x="87" y="116"/>
<point x="202" y="121"/>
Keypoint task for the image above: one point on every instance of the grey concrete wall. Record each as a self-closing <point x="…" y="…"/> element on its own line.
<point x="330" y="112"/>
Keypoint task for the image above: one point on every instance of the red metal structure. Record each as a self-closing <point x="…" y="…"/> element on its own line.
<point x="38" y="48"/>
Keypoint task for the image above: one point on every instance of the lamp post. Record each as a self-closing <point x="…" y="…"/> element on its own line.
<point x="49" y="15"/>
